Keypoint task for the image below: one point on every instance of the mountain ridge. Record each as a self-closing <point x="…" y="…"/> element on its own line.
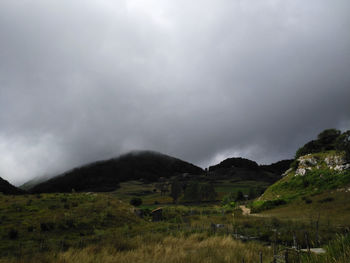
<point x="9" y="189"/>
<point x="105" y="175"/>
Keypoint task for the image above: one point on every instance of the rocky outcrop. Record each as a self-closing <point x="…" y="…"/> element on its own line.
<point x="337" y="163"/>
<point x="332" y="161"/>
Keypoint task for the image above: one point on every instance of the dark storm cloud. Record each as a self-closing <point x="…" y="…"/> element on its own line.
<point x="201" y="80"/>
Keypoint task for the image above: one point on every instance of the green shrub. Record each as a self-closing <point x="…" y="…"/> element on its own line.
<point x="136" y="201"/>
<point x="343" y="144"/>
<point x="231" y="197"/>
<point x="326" y="140"/>
<point x="48" y="226"/>
<point x="53" y="207"/>
<point x="294" y="165"/>
<point x="306" y="200"/>
<point x="326" y="200"/>
<point x="13" y="233"/>
<point x="259" y="206"/>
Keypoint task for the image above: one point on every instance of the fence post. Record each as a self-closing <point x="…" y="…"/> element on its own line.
<point x="20" y="250"/>
<point x="286" y="256"/>
<point x="275" y="246"/>
<point x="298" y="249"/>
<point x="307" y="242"/>
<point x="260" y="256"/>
<point x="295" y="241"/>
<point x="317" y="227"/>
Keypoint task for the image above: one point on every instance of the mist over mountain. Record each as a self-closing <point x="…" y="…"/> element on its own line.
<point x="106" y="175"/>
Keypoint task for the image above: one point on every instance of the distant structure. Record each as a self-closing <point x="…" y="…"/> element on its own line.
<point x="157" y="214"/>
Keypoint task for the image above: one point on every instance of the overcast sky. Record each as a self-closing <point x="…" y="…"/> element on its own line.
<point x="200" y="80"/>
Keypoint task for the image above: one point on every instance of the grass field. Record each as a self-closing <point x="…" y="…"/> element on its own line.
<point x="146" y="191"/>
<point x="90" y="227"/>
<point x="332" y="206"/>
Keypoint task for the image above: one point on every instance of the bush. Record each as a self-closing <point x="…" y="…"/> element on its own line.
<point x="260" y="206"/>
<point x="13" y="233"/>
<point x="192" y="192"/>
<point x="239" y="196"/>
<point x="231" y="197"/>
<point x="326" y="200"/>
<point x="70" y="223"/>
<point x="294" y="165"/>
<point x="136" y="201"/>
<point x="53" y="207"/>
<point x="326" y="140"/>
<point x="47" y="226"/>
<point x="343" y="144"/>
<point x="306" y="200"/>
<point x="328" y="137"/>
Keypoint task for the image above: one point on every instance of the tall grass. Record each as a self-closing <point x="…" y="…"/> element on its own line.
<point x="193" y="249"/>
<point x="196" y="248"/>
<point x="337" y="251"/>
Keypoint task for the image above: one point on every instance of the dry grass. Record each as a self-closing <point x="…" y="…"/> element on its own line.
<point x="195" y="248"/>
<point x="335" y="211"/>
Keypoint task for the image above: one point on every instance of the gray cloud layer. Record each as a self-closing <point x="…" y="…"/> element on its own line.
<point x="201" y="80"/>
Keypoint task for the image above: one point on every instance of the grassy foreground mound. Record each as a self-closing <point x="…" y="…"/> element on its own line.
<point x="32" y="224"/>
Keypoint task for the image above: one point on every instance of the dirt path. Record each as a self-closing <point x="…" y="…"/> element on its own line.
<point x="245" y="210"/>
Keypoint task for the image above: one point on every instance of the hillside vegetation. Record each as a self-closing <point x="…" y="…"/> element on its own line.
<point x="241" y="169"/>
<point x="313" y="173"/>
<point x="31" y="224"/>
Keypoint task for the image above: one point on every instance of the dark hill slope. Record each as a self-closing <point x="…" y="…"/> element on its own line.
<point x="245" y="169"/>
<point x="235" y="163"/>
<point x="9" y="189"/>
<point x="279" y="167"/>
<point x="106" y="175"/>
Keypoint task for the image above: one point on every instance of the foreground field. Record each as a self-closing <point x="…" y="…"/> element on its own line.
<point x="90" y="227"/>
<point x="194" y="248"/>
